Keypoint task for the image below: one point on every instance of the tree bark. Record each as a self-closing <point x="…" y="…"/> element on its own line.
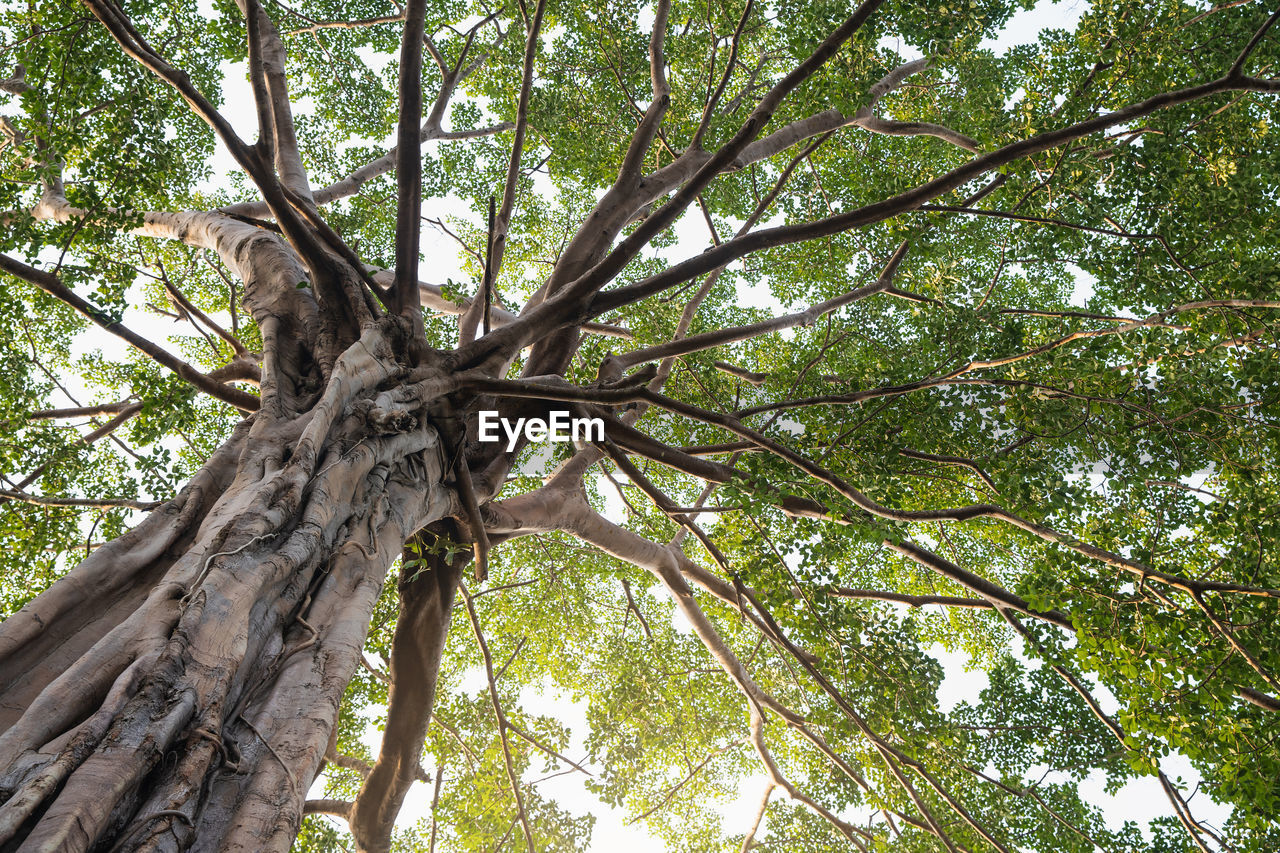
<point x="178" y="688"/>
<point x="428" y="582"/>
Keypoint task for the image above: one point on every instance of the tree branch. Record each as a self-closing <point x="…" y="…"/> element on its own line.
<point x="502" y="224"/>
<point x="272" y="56"/>
<point x="571" y="296"/>
<point x="776" y="777"/>
<point x="866" y="118"/>
<point x="749" y="839"/>
<point x="911" y="600"/>
<point x="317" y="26"/>
<point x="344" y="301"/>
<point x="869" y="214"/>
<point x="337" y="808"/>
<point x="79" y="411"/>
<point x="405" y="299"/>
<point x="1192" y="826"/>
<point x="91" y="503"/>
<point x="964" y="513"/>
<point x="721" y="337"/>
<point x="548" y="750"/>
<point x="186" y="305"/>
<point x="651" y="122"/>
<point x="730" y="66"/>
<point x="500" y="716"/>
<point x="664" y="564"/>
<point x="951" y="460"/>
<point x="427" y="584"/>
<point x="53" y="286"/>
<point x="1237" y="67"/>
<point x="999" y="597"/>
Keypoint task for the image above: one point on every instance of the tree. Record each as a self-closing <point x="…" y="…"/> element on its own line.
<point x="1019" y="399"/>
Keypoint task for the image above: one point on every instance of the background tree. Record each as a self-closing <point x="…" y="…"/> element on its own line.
<point x="1018" y="398"/>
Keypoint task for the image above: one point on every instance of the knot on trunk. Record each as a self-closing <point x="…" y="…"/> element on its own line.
<point x="389" y="420"/>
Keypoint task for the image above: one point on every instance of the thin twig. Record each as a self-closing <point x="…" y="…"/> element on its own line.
<point x="500" y="716"/>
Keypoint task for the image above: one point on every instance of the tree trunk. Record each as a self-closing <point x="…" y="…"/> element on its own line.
<point x="178" y="688"/>
<point x="428" y="583"/>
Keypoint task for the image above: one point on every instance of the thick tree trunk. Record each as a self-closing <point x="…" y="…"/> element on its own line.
<point x="179" y="687"/>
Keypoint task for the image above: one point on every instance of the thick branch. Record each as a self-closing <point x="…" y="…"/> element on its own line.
<point x="337" y="808"/>
<point x="271" y="54"/>
<point x="344" y="299"/>
<point x="561" y="310"/>
<point x="409" y="166"/>
<point x="651" y="122"/>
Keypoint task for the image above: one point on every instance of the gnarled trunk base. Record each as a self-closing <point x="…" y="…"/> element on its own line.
<point x="177" y="690"/>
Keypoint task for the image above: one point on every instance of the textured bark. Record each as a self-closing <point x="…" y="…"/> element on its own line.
<point x="229" y="638"/>
<point x="234" y="620"/>
<point x="179" y="687"/>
